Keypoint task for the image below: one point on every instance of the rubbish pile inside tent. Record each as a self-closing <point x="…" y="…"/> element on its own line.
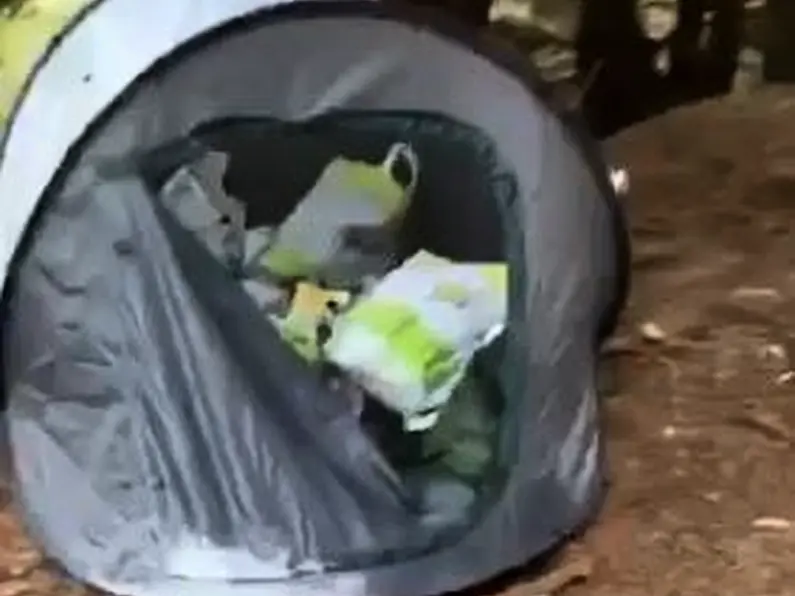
<point x="407" y="340"/>
<point x="303" y="296"/>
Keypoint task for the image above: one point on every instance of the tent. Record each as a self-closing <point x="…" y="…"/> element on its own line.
<point x="164" y="440"/>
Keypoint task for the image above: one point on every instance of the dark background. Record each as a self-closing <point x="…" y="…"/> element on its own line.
<point x="617" y="58"/>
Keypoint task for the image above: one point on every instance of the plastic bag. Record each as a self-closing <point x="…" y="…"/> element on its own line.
<point x="196" y="197"/>
<point x="317" y="241"/>
<point x="463" y="439"/>
<point x="410" y="341"/>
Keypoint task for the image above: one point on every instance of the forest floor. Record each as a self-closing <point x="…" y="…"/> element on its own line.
<point x="702" y="429"/>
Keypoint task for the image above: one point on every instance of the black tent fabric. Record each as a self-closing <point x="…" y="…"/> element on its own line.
<point x="164" y="439"/>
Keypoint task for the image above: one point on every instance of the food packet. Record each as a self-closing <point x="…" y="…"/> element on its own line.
<point x="410" y="340"/>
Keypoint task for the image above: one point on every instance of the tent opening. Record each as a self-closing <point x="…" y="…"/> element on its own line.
<point x="303" y="297"/>
<point x="456" y="212"/>
<point x="155" y="235"/>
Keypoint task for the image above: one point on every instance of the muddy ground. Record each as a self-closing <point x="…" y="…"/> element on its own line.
<point x="702" y="427"/>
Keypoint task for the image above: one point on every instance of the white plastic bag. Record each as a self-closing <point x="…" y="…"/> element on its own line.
<point x="196" y="197"/>
<point x="350" y="196"/>
<point x="411" y="339"/>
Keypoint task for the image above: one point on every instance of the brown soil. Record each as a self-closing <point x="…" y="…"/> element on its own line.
<point x="701" y="431"/>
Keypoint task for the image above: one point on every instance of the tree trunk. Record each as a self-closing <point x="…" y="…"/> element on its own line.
<point x="779" y="41"/>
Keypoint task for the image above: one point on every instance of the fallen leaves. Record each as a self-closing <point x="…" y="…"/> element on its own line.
<point x="39" y="582"/>
<point x="757" y="293"/>
<point x="785" y="378"/>
<point x="777" y="524"/>
<point x="651" y="332"/>
<point x="619" y="179"/>
<point x="24" y="570"/>
<point x="768" y="424"/>
<point x="619" y="345"/>
<point x="15" y="587"/>
<point x="18" y="564"/>
<point x="775" y="352"/>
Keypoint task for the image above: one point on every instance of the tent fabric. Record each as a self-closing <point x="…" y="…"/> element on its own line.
<point x="134" y="370"/>
<point x="75" y="83"/>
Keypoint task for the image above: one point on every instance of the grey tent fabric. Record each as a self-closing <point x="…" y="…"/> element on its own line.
<point x="146" y="391"/>
<point x="179" y="341"/>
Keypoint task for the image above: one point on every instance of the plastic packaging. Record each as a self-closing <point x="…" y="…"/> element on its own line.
<point x="196" y="197"/>
<point x="317" y="241"/>
<point x="410" y="341"/>
<point x="311" y="306"/>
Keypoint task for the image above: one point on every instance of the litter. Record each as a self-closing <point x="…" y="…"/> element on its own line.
<point x="195" y="196"/>
<point x="462" y="441"/>
<point x="319" y="239"/>
<point x="411" y="339"/>
<point x="311" y="308"/>
<point x="652" y="333"/>
<point x="407" y="340"/>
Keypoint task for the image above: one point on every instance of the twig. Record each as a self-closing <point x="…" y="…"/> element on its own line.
<point x="558" y="580"/>
<point x="767" y="424"/>
<point x="587" y="84"/>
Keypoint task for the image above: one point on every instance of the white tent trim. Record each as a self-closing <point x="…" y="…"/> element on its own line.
<point x="117" y="41"/>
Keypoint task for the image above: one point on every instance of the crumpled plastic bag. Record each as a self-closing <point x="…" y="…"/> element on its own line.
<point x="196" y="197"/>
<point x="411" y="339"/>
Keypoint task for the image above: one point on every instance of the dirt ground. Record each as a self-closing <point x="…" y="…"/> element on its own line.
<point x="701" y="432"/>
<point x="702" y="428"/>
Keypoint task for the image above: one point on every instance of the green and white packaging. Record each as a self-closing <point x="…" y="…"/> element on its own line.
<point x="411" y="339"/>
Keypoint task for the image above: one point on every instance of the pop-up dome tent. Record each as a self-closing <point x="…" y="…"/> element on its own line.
<point x="164" y="440"/>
